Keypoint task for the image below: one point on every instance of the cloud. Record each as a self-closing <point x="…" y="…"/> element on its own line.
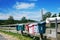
<point x="17" y="15"/>
<point x="4" y="16"/>
<point x="21" y="5"/>
<point x="28" y="15"/>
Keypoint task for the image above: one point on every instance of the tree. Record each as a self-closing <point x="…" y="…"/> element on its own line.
<point x="59" y="15"/>
<point x="23" y="20"/>
<point x="54" y="15"/>
<point x="46" y="15"/>
<point x="10" y="20"/>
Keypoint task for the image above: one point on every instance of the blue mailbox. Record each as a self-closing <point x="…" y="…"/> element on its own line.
<point x="42" y="27"/>
<point x="20" y="27"/>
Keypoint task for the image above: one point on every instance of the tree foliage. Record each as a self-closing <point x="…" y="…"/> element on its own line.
<point x="54" y="15"/>
<point x="46" y="15"/>
<point x="59" y="15"/>
<point x="23" y="19"/>
<point x="12" y="21"/>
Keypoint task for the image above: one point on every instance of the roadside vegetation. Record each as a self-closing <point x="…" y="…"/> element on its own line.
<point x="19" y="36"/>
<point x="22" y="37"/>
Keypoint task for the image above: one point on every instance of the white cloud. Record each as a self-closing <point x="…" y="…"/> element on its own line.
<point x="4" y="16"/>
<point x="18" y="16"/>
<point x="21" y="5"/>
<point x="28" y="15"/>
<point x="35" y="15"/>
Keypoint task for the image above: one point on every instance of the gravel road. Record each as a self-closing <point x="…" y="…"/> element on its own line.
<point x="2" y="38"/>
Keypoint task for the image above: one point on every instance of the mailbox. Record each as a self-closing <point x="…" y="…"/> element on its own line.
<point x="20" y="27"/>
<point x="42" y="27"/>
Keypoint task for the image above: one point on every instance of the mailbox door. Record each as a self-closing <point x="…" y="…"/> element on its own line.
<point x="41" y="28"/>
<point x="18" y="27"/>
<point x="22" y="27"/>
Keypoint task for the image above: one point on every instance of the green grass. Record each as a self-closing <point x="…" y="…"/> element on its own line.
<point x="19" y="36"/>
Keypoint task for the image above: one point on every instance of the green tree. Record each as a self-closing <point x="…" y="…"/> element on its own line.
<point x="59" y="15"/>
<point x="10" y="20"/>
<point x="54" y="15"/>
<point x="23" y="20"/>
<point x="46" y="15"/>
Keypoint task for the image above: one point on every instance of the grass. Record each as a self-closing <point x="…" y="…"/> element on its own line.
<point x="19" y="36"/>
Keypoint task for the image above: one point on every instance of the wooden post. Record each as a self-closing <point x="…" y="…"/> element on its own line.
<point x="9" y="27"/>
<point x="56" y="25"/>
<point x="41" y="35"/>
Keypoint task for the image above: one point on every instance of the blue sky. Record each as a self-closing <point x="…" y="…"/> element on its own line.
<point x="31" y="9"/>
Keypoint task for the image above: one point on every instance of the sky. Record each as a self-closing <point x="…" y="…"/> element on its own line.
<point x="31" y="9"/>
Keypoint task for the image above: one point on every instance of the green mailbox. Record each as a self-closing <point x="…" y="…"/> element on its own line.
<point x="20" y="27"/>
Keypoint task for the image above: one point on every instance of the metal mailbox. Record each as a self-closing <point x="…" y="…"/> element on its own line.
<point x="42" y="27"/>
<point x="20" y="27"/>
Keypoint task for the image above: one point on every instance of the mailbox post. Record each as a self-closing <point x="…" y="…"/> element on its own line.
<point x="42" y="29"/>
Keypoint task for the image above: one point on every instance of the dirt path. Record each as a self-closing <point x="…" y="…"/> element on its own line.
<point x="2" y="37"/>
<point x="7" y="37"/>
